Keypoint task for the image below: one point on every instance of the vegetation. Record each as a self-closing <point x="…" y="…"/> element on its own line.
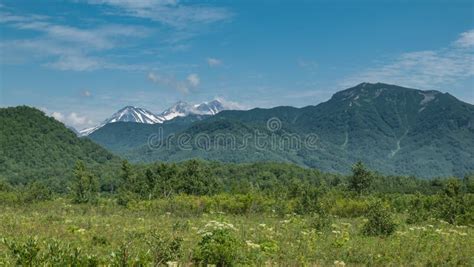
<point x="65" y="201"/>
<point x="34" y="147"/>
<point x="226" y="214"/>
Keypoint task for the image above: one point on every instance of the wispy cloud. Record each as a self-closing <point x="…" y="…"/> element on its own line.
<point x="192" y="81"/>
<point x="213" y="62"/>
<point x="65" y="47"/>
<point x="430" y="69"/>
<point x="86" y="93"/>
<point x="231" y="104"/>
<point x="306" y="63"/>
<point x="169" y="12"/>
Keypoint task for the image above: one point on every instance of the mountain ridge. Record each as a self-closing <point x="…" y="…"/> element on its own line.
<point x="394" y="129"/>
<point x="141" y="115"/>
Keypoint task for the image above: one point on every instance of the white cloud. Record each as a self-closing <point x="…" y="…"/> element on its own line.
<point x="184" y="87"/>
<point x="72" y="119"/>
<point x="169" y="12"/>
<point x="213" y="62"/>
<point x="193" y="79"/>
<point x="75" y="119"/>
<point x="86" y="93"/>
<point x="65" y="47"/>
<point x="75" y="63"/>
<point x="58" y="116"/>
<point x="429" y="69"/>
<point x="152" y="77"/>
<point x="231" y="104"/>
<point x="466" y="39"/>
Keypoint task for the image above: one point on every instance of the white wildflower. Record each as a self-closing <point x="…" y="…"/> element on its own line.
<point x="172" y="263"/>
<point x="252" y="244"/>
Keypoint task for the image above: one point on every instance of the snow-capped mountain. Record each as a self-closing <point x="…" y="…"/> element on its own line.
<point x="181" y="109"/>
<point x="140" y="115"/>
<point x="210" y="108"/>
<point x="127" y="114"/>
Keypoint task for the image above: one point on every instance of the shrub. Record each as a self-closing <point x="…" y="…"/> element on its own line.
<point x="417" y="211"/>
<point x="380" y="221"/>
<point x="349" y="207"/>
<point x="218" y="246"/>
<point x="37" y="191"/>
<point x="320" y="221"/>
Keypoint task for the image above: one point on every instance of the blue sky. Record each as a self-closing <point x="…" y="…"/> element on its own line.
<point x="81" y="60"/>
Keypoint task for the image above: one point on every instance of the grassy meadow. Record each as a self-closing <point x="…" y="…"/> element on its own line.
<point x="58" y="233"/>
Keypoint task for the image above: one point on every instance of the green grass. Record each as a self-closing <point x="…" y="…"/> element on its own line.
<point x="107" y="232"/>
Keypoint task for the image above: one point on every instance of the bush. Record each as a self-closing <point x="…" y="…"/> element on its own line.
<point x="320" y="221"/>
<point x="349" y="207"/>
<point x="417" y="211"/>
<point x="380" y="221"/>
<point x="218" y="246"/>
<point x="37" y="191"/>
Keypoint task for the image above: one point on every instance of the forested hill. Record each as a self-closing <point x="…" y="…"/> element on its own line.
<point x="34" y="146"/>
<point x="393" y="129"/>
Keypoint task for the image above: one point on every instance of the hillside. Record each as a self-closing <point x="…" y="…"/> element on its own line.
<point x="393" y="129"/>
<point x="119" y="137"/>
<point x="35" y="146"/>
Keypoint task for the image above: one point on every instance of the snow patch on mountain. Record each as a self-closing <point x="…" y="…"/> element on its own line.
<point x="126" y="114"/>
<point x="179" y="109"/>
<point x="427" y="97"/>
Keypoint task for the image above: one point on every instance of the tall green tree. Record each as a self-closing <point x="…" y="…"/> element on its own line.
<point x="361" y="178"/>
<point x="196" y="179"/>
<point x="85" y="185"/>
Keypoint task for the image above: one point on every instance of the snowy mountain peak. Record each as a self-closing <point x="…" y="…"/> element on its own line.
<point x="134" y="114"/>
<point x="211" y="108"/>
<point x="126" y="114"/>
<point x="181" y="109"/>
<point x="140" y="115"/>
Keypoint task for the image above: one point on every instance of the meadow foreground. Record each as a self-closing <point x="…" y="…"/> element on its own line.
<point x="185" y="231"/>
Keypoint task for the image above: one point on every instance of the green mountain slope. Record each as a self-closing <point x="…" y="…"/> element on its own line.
<point x="35" y="146"/>
<point x="120" y="137"/>
<point x="393" y="129"/>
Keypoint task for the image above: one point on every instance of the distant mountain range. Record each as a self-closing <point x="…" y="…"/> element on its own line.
<point x="141" y="115"/>
<point x="393" y="129"/>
